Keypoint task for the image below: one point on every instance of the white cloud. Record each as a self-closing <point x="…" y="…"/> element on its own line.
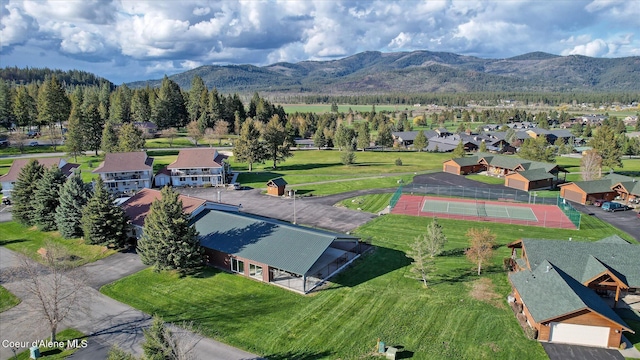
<point x="595" y="48"/>
<point x="201" y="11"/>
<point x="17" y="27"/>
<point x="400" y="41"/>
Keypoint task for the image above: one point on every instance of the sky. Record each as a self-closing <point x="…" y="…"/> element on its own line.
<point x="128" y="40"/>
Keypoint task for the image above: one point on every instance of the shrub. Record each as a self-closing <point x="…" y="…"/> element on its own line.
<point x="398" y="162"/>
<point x="348" y="157"/>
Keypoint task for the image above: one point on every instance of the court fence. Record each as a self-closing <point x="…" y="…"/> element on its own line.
<point x="574" y="215"/>
<point x="506" y="194"/>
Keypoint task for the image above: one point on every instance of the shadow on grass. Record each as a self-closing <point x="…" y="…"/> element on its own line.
<point x="311" y="166"/>
<point x="299" y="355"/>
<point x="465" y="275"/>
<point x="14" y="241"/>
<point x="403" y="353"/>
<point x="372" y="265"/>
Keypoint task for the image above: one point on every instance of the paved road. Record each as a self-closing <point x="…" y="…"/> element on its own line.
<point x="624" y="220"/>
<point x="106" y="321"/>
<point x="308" y="211"/>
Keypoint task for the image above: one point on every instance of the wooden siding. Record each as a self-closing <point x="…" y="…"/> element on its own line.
<point x="608" y="196"/>
<point x="516" y="181"/>
<point x="589" y="318"/>
<point x="451" y="167"/>
<point x="277" y="191"/>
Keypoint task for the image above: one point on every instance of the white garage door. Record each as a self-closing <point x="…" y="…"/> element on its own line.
<point x="579" y="334"/>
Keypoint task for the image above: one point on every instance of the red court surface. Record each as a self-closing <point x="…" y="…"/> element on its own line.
<point x="550" y="216"/>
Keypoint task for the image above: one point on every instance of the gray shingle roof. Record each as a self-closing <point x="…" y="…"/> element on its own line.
<point x="536" y="174"/>
<point x="288" y="247"/>
<point x="277" y="182"/>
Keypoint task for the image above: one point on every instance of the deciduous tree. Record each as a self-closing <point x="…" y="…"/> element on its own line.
<point x="196" y="133"/>
<point x="221" y="130"/>
<point x="481" y="242"/>
<point x="424" y="250"/>
<point x="168" y="241"/>
<point x="591" y="166"/>
<point x="169" y="133"/>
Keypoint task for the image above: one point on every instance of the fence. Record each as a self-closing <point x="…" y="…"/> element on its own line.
<point x="573" y="214"/>
<point x="395" y="197"/>
<point x="473" y="193"/>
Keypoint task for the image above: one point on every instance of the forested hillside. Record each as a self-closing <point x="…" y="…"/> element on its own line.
<point x="38" y="75"/>
<point x="423" y="71"/>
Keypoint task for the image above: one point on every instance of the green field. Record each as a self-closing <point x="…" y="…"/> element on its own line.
<point x="29" y="240"/>
<point x="7" y="299"/>
<point x="323" y="108"/>
<point x="375" y="298"/>
<point x="370" y="203"/>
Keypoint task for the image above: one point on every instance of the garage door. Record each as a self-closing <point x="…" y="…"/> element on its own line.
<point x="516" y="184"/>
<point x="573" y="196"/>
<point x="452" y="169"/>
<point x="579" y="334"/>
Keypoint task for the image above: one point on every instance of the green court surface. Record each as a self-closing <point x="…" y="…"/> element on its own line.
<point x="479" y="209"/>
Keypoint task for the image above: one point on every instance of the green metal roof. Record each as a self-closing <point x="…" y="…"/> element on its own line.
<point x="573" y="257"/>
<point x="548" y="292"/>
<point x="536" y="174"/>
<point x="594" y="186"/>
<point x="288" y="247"/>
<point x="633" y="187"/>
<point x="467" y="160"/>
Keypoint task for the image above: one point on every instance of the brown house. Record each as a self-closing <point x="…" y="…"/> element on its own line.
<point x="529" y="180"/>
<point x="562" y="288"/>
<point x="463" y="166"/>
<point x="9" y="179"/>
<point x="607" y="188"/>
<point x="276" y="186"/>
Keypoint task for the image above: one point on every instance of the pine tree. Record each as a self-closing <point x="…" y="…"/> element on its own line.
<point x="130" y="138"/>
<point x="483" y="146"/>
<point x="608" y="146"/>
<point x="53" y="104"/>
<point x="276" y="141"/>
<point x="75" y="138"/>
<point x="459" y="151"/>
<point x="47" y="198"/>
<point x="168" y="241"/>
<point x="74" y="195"/>
<point x="420" y="142"/>
<point x="248" y="148"/>
<point x="159" y="343"/>
<point x="384" y="139"/>
<point x="103" y="222"/>
<point x="109" y="142"/>
<point x="92" y="129"/>
<point x="24" y="107"/>
<point x="22" y="195"/>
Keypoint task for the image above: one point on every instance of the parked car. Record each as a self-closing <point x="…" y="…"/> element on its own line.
<point x="6" y="201"/>
<point x="613" y="206"/>
<point x="33" y="143"/>
<point x="599" y="202"/>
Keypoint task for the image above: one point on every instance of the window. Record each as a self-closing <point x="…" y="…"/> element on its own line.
<point x="206" y="179"/>
<point x="182" y="179"/>
<point x="237" y="265"/>
<point x="193" y="178"/>
<point x="255" y="271"/>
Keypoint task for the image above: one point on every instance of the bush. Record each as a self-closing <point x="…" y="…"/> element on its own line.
<point x="398" y="162"/>
<point x="348" y="157"/>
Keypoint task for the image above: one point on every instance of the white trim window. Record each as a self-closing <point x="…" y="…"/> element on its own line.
<point x="237" y="265"/>
<point x="255" y="271"/>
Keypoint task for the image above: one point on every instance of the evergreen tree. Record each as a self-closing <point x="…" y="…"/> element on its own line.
<point x="364" y="136"/>
<point x="53" y="104"/>
<point x="483" y="146"/>
<point x="420" y="142"/>
<point x="194" y="99"/>
<point x="92" y="129"/>
<point x="103" y="222"/>
<point x="384" y="139"/>
<point x="276" y="141"/>
<point x="74" y="195"/>
<point x="169" y="108"/>
<point x="140" y="107"/>
<point x="168" y="241"/>
<point x="6" y="104"/>
<point x="248" y="148"/>
<point x="319" y="140"/>
<point x="23" y="191"/>
<point x="343" y="137"/>
<point x="130" y="138"/>
<point x="608" y="146"/>
<point x="109" y="141"/>
<point x="459" y="151"/>
<point x="75" y="139"/>
<point x="120" y="105"/>
<point x="159" y="343"/>
<point x="47" y="198"/>
<point x="24" y="107"/>
<point x="537" y="150"/>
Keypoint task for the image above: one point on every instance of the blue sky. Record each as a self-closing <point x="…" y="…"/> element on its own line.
<point x="131" y="40"/>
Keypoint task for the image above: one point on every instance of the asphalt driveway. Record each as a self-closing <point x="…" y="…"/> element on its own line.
<point x="577" y="352"/>
<point x="624" y="220"/>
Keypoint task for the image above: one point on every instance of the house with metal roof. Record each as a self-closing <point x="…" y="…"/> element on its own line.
<point x="562" y="288"/>
<point x="608" y="188"/>
<point x="518" y="173"/>
<point x="9" y="179"/>
<point x="126" y="172"/>
<point x="291" y="256"/>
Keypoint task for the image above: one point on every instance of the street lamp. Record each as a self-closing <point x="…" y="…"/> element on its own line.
<point x="294" y="205"/>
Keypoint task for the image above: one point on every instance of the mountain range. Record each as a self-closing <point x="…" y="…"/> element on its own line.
<point x="374" y="72"/>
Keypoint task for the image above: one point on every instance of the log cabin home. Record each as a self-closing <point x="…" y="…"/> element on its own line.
<point x="567" y="290"/>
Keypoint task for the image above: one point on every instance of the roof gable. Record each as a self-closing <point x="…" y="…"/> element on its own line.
<point x="126" y="161"/>
<point x="197" y="158"/>
<point x="138" y="206"/>
<point x="277" y="182"/>
<point x="18" y="164"/>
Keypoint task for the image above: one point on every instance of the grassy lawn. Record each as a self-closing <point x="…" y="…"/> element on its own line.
<point x="55" y="353"/>
<point x="486" y="179"/>
<point x="19" y="238"/>
<point x="7" y="299"/>
<point x="375" y="298"/>
<point x="370" y="203"/>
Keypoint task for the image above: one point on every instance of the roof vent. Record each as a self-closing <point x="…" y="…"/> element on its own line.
<point x="548" y="268"/>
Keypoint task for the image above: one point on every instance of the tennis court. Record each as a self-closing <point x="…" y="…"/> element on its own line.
<point x="478" y="208"/>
